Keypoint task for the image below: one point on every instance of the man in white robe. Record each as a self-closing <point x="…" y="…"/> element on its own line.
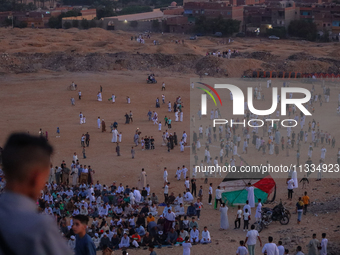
<point x="205" y="236"/>
<point x="258" y="210"/>
<point x="194" y="235"/>
<point x="98" y="122"/>
<point x="251" y="196"/>
<point x="114" y="135"/>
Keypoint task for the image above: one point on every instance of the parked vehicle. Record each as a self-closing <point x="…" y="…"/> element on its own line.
<point x="273" y="37"/>
<point x="218" y="34"/>
<point x="278" y="213"/>
<point x="193" y="37"/>
<point x="241" y="34"/>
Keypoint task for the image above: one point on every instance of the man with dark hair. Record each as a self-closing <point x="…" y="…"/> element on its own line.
<point x="313" y="246"/>
<point x="270" y="248"/>
<point x="299" y="251"/>
<point x="26" y="164"/>
<point x="84" y="243"/>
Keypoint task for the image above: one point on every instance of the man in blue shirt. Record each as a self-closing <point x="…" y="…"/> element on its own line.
<point x="84" y="243"/>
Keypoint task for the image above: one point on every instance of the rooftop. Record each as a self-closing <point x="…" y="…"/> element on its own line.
<point x="156" y="13"/>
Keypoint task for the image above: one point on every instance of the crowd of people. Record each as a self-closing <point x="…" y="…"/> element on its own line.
<point x="117" y="216"/>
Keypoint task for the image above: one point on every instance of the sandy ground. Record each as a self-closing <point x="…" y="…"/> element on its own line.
<point x="100" y="41"/>
<point x="33" y="101"/>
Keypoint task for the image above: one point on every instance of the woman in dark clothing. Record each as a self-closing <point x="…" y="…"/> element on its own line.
<point x="175" y="138"/>
<point x="171" y="139"/>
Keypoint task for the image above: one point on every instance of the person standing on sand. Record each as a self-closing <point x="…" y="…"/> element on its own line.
<point x="103" y="126"/>
<point x="118" y="149"/>
<point x="313" y="246"/>
<point x="251" y="239"/>
<point x="186" y="246"/>
<point x="251" y="196"/>
<point x="224" y="217"/>
<point x="132" y="152"/>
<point x="299" y="209"/>
<point x="270" y="248"/>
<point x="323" y="245"/>
<point x="98" y="122"/>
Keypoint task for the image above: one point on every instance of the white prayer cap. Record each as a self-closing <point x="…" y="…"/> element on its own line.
<point x="160" y="232"/>
<point x="82" y="201"/>
<point x="96" y="234"/>
<point x="73" y="237"/>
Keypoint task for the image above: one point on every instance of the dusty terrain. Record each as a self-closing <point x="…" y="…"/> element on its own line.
<point x="32" y="50"/>
<point x="47" y="61"/>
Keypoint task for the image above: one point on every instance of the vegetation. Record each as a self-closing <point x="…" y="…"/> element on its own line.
<point x="135" y="9"/>
<point x="225" y="26"/>
<point x="8" y="5"/>
<point x="84" y="23"/>
<point x="67" y="25"/>
<point x="56" y="22"/>
<point x="303" y="29"/>
<point x="75" y="23"/>
<point x="92" y="23"/>
<point x="277" y="31"/>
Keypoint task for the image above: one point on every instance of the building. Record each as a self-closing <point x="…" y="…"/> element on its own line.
<point x="147" y="21"/>
<point x="194" y="10"/>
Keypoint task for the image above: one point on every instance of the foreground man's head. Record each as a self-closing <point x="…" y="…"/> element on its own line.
<point x="26" y="163"/>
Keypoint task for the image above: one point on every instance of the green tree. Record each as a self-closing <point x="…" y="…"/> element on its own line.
<point x="54" y="22"/>
<point x="135" y="9"/>
<point x="303" y="29"/>
<point x="325" y="36"/>
<point x="67" y="25"/>
<point x="75" y="23"/>
<point x="92" y="23"/>
<point x="225" y="26"/>
<point x="84" y="23"/>
<point x="277" y="31"/>
<point x="22" y="24"/>
<point x="105" y="11"/>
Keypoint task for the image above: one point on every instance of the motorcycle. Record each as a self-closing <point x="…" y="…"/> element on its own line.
<point x="151" y="81"/>
<point x="278" y="213"/>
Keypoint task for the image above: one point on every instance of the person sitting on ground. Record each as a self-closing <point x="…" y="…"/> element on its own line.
<point x="205" y="236"/>
<point x="154" y="198"/>
<point x="140" y="230"/>
<point x="136" y="240"/>
<point x="124" y="242"/>
<point x="172" y="237"/>
<point x="188" y="197"/>
<point x="194" y="235"/>
<point x="193" y="223"/>
<point x="179" y="210"/>
<point x="191" y="211"/>
<point x="147" y="239"/>
<point x="104" y="241"/>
